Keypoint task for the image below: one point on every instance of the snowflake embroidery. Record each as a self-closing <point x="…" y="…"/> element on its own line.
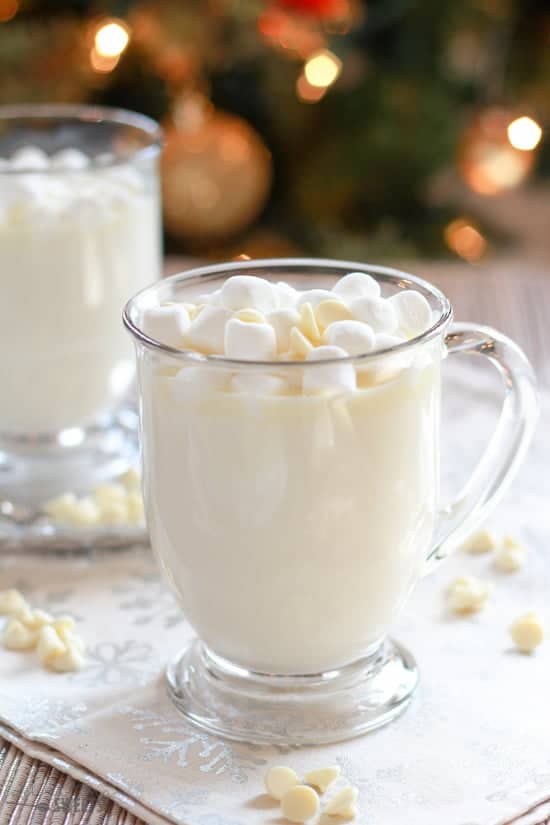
<point x="174" y="739"/>
<point x="48" y="718"/>
<point x="149" y="599"/>
<point x="114" y="663"/>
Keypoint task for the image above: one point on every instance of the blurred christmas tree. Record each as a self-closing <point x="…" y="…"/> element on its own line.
<point x="335" y="127"/>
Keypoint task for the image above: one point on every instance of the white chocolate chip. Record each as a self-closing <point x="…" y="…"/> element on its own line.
<point x="63" y="626"/>
<point x="11" y="601"/>
<point x="241" y="291"/>
<point x="482" y="541"/>
<point x="300" y="804"/>
<point x="467" y="594"/>
<point x="86" y="513"/>
<point x="354" y="337"/>
<point x="313" y="297"/>
<point x="135" y="508"/>
<point x="49" y="645"/>
<point x="343" y="802"/>
<point x="167" y="324"/>
<point x="106" y="493"/>
<point x="250" y="341"/>
<point x="114" y="512"/>
<point x="251" y="316"/>
<point x="282" y="321"/>
<point x="378" y="313"/>
<point x="527" y="632"/>
<point x="17" y="636"/>
<point x="62" y="508"/>
<point x="300" y="346"/>
<point x="323" y="777"/>
<point x="279" y="780"/>
<point x="130" y="480"/>
<point x="413" y="312"/>
<point x="70" y="661"/>
<point x="39" y="618"/>
<point x="510" y="557"/>
<point x="330" y="377"/>
<point x="308" y="324"/>
<point x="356" y="285"/>
<point x="330" y="311"/>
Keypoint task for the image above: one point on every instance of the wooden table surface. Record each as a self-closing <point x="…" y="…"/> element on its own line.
<point x="512" y="295"/>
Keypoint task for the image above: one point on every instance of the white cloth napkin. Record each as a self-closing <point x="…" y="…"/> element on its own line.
<point x="472" y="749"/>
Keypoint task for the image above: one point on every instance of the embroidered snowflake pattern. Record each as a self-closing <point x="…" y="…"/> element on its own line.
<point x="48" y="718"/>
<point x="168" y="738"/>
<point x="115" y="663"/>
<point x="147" y="597"/>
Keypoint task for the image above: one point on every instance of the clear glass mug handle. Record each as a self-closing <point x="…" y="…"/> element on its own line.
<point x="508" y="444"/>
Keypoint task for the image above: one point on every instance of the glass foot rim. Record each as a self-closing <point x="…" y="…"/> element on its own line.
<point x="266" y="709"/>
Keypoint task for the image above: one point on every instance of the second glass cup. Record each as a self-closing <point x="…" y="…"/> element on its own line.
<point x="293" y="524"/>
<point x="79" y="232"/>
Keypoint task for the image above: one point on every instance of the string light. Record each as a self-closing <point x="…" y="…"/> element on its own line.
<point x="322" y="69"/>
<point x="465" y="240"/>
<point x="102" y="64"/>
<point x="308" y="93"/>
<point x="111" y="39"/>
<point x="524" y="133"/>
<point x="8" y="10"/>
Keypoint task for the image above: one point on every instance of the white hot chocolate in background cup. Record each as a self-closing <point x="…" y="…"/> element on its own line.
<point x="79" y="232"/>
<point x="290" y="429"/>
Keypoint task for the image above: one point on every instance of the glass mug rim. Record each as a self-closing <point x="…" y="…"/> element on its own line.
<point x="85" y="114"/>
<point x="209" y="272"/>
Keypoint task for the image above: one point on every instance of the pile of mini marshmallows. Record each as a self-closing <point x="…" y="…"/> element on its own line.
<point x="299" y="800"/>
<point x="469" y="594"/>
<point x="118" y="504"/>
<point x="28" y="197"/>
<point x="252" y="319"/>
<point x="56" y="642"/>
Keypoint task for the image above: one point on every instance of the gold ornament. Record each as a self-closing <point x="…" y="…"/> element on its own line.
<point x="487" y="160"/>
<point x="216" y="174"/>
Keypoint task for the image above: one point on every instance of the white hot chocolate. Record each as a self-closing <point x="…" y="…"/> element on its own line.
<point x="292" y="504"/>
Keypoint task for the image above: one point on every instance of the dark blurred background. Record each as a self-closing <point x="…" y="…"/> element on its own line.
<point x="384" y="129"/>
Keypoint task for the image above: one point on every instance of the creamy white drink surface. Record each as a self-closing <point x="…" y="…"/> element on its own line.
<point x="291" y="503"/>
<point x="75" y="241"/>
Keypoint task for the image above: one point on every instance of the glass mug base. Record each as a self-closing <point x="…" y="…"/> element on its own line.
<point x="245" y="706"/>
<point x="35" y="469"/>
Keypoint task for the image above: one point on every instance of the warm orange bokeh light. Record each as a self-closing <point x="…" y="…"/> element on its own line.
<point x="308" y="93"/>
<point x="322" y="69"/>
<point x="102" y="64"/>
<point x="111" y="38"/>
<point x="524" y="133"/>
<point x="8" y="10"/>
<point x="465" y="240"/>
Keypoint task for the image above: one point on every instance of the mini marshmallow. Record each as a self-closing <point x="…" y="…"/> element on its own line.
<point x="279" y="780"/>
<point x="300" y="803"/>
<point x="64" y="627"/>
<point x="356" y="285"/>
<point x="249" y="341"/>
<point x="17" y="636"/>
<point x="70" y="661"/>
<point x="482" y="541"/>
<point x="241" y="291"/>
<point x="49" y="645"/>
<point x="467" y="594"/>
<point x="207" y="330"/>
<point x="322" y="778"/>
<point x="300" y="346"/>
<point x="313" y="297"/>
<point x="282" y="321"/>
<point x="308" y="324"/>
<point x="69" y="159"/>
<point x="86" y="513"/>
<point x="259" y="384"/>
<point x="196" y="380"/>
<point x="29" y="157"/>
<point x="414" y="313"/>
<point x="251" y="316"/>
<point x="330" y="377"/>
<point x="343" y="802"/>
<point x="511" y="556"/>
<point x="11" y="601"/>
<point x="167" y="324"/>
<point x="377" y="312"/>
<point x="527" y="632"/>
<point x="354" y="337"/>
<point x="331" y="311"/>
<point x="286" y="294"/>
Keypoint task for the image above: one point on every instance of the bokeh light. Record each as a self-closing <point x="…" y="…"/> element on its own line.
<point x="322" y="69"/>
<point x="465" y="239"/>
<point x="111" y="39"/>
<point x="8" y="10"/>
<point x="103" y="64"/>
<point x="524" y="133"/>
<point x="308" y="93"/>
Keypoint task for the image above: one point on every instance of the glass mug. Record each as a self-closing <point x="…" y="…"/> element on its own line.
<point x="292" y="528"/>
<point x="79" y="232"/>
